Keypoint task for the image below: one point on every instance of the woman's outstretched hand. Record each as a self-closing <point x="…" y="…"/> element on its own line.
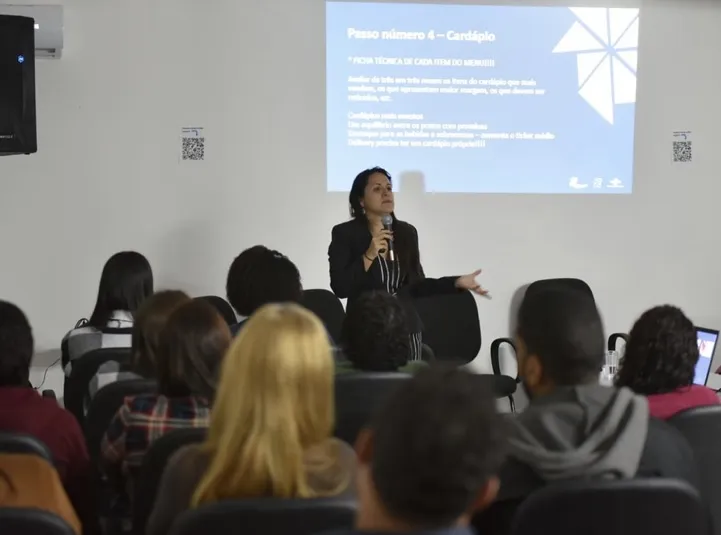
<point x="469" y="282"/>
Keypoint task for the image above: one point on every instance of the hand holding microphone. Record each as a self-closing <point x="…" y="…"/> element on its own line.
<point x="387" y="221"/>
<point x="382" y="240"/>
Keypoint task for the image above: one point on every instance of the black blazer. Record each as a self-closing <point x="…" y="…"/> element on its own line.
<point x="349" y="279"/>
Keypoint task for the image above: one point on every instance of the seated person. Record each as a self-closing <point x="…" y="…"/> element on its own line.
<point x="150" y="320"/>
<point x="435" y="486"/>
<point x="259" y="276"/>
<point x="574" y="427"/>
<point x="660" y="363"/>
<point x="125" y="283"/>
<point x="30" y="482"/>
<point x="23" y="410"/>
<point x="375" y="336"/>
<point x="271" y="432"/>
<point x="192" y="346"/>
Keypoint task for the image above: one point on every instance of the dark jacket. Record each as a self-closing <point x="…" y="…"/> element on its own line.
<point x="349" y="279"/>
<point x="586" y="432"/>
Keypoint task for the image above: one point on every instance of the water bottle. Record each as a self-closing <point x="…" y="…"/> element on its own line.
<point x="610" y="365"/>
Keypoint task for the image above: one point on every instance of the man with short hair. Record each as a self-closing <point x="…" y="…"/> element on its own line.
<point x="23" y="410"/>
<point x="573" y="427"/>
<point x="431" y="456"/>
<point x="259" y="276"/>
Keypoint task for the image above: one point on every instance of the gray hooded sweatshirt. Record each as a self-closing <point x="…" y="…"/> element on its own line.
<point x="582" y="431"/>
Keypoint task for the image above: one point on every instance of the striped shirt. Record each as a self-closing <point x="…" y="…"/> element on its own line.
<point x="145" y="418"/>
<point x="110" y="372"/>
<point x="392" y="278"/>
<point x="85" y="338"/>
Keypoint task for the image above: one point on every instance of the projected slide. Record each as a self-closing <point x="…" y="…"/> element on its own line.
<point x="482" y="99"/>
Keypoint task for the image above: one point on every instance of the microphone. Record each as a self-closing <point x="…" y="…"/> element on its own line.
<point x="387" y="221"/>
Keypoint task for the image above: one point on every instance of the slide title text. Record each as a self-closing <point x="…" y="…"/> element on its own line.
<point x="395" y="35"/>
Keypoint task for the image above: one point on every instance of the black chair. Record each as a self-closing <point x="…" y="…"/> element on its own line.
<point x="82" y="372"/>
<point x="32" y="522"/>
<point x="21" y="443"/>
<point x="541" y="286"/>
<point x="357" y="396"/>
<point x="103" y="407"/>
<point x="223" y="308"/>
<point x="269" y="516"/>
<point x="147" y="479"/>
<point x="702" y="428"/>
<point x="451" y="326"/>
<point x="625" y="507"/>
<point x="325" y="305"/>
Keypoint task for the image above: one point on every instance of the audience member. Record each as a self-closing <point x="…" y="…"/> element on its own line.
<point x="150" y="320"/>
<point x="30" y="482"/>
<point x="23" y="410"/>
<point x="660" y="363"/>
<point x="259" y="276"/>
<point x="375" y="336"/>
<point x="272" y="423"/>
<point x="124" y="284"/>
<point x="574" y="427"/>
<point x="431" y="458"/>
<point x="192" y="346"/>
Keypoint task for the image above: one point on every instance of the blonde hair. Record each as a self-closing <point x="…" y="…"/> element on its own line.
<point x="275" y="401"/>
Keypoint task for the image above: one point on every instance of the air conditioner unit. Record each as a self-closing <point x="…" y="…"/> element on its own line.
<point x="48" y="27"/>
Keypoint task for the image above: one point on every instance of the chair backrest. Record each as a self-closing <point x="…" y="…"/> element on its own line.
<point x="105" y="404"/>
<point x="21" y="443"/>
<point x="269" y="516"/>
<point x="702" y="428"/>
<point x="500" y="385"/>
<point x="82" y="372"/>
<point x="147" y="479"/>
<point x="358" y="396"/>
<point x="451" y="326"/>
<point x="625" y="507"/>
<point x="325" y="305"/>
<point x="32" y="522"/>
<point x="223" y="308"/>
<point x="566" y="284"/>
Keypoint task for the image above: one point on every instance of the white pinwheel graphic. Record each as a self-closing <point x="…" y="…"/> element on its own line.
<point x="605" y="41"/>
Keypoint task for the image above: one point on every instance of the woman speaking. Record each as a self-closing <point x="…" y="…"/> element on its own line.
<point x="365" y="255"/>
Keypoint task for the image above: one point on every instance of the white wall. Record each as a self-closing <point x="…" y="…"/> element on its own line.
<point x="251" y="72"/>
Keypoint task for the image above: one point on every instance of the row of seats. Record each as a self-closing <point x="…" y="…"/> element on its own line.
<point x="655" y="506"/>
<point x="451" y="325"/>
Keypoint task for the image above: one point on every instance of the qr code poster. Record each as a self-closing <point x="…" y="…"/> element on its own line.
<point x="682" y="147"/>
<point x="192" y="144"/>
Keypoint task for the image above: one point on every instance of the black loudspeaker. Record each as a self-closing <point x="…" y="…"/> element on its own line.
<point x="18" y="130"/>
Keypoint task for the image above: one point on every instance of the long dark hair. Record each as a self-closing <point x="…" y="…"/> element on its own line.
<point x="127" y="280"/>
<point x="405" y="238"/>
<point x="661" y="353"/>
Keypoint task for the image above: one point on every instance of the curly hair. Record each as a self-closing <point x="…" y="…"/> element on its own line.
<point x="259" y="276"/>
<point x="375" y="335"/>
<point x="661" y="353"/>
